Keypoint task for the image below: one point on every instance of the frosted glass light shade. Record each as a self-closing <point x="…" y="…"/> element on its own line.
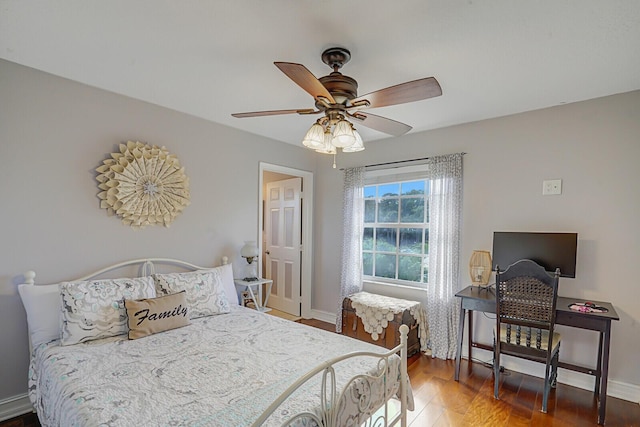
<point x="249" y="251"/>
<point x="327" y="147"/>
<point x="314" y="138"/>
<point x="343" y="134"/>
<point x="357" y="146"/>
<point x="480" y="267"/>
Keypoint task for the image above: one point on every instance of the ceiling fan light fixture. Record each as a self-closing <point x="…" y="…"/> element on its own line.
<point x="336" y="95"/>
<point x="327" y="146"/>
<point x="343" y="134"/>
<point x="314" y="138"/>
<point x="356" y="146"/>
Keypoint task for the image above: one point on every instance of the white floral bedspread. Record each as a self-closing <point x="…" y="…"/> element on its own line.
<point x="376" y="311"/>
<point x="221" y="370"/>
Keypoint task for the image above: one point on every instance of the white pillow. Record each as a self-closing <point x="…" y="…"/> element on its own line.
<point x="95" y="309"/>
<point x="226" y="275"/>
<point x="205" y="292"/>
<point x="42" y="304"/>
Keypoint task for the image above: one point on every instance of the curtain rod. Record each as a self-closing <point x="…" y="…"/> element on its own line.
<point x="398" y="162"/>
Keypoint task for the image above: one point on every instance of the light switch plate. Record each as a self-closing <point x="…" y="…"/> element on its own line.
<point x="551" y="187"/>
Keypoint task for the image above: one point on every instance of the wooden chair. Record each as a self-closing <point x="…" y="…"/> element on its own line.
<point x="526" y="298"/>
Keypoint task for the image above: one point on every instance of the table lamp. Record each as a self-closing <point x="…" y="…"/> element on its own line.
<point x="480" y="268"/>
<point x="250" y="251"/>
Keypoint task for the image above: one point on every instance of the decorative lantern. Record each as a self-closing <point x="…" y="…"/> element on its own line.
<point x="480" y="268"/>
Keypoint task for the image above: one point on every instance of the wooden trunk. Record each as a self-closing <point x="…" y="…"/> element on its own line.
<point x="352" y="326"/>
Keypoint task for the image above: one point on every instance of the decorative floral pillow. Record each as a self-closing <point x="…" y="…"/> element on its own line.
<point x="95" y="309"/>
<point x="205" y="292"/>
<point x="152" y="315"/>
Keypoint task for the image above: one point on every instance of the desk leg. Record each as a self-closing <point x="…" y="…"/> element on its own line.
<point x="470" y="334"/>
<point x="596" y="390"/>
<point x="460" y="337"/>
<point x="602" y="401"/>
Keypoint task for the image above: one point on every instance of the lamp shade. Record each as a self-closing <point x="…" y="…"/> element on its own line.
<point x="343" y="134"/>
<point x="249" y="251"/>
<point x="327" y="147"/>
<point x="314" y="138"/>
<point x="356" y="146"/>
<point x="480" y="267"/>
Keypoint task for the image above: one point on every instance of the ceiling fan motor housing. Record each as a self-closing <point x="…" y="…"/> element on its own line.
<point x="342" y="87"/>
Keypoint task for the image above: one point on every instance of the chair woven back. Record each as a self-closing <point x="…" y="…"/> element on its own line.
<point x="526" y="297"/>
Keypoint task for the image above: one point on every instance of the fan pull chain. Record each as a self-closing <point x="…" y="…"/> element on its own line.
<point x="334" y="160"/>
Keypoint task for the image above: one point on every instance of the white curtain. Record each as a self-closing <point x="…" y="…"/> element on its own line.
<point x="353" y="224"/>
<point x="445" y="203"/>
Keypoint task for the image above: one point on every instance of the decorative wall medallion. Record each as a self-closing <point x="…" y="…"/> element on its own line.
<point x="143" y="185"/>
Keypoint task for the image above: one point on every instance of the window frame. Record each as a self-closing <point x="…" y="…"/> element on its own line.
<point x="398" y="175"/>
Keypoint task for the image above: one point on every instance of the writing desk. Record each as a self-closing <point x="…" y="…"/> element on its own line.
<point x="474" y="298"/>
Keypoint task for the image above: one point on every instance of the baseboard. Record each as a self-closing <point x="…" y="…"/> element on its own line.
<point x="624" y="391"/>
<point x="325" y="316"/>
<point x="14" y="407"/>
<point x="618" y="389"/>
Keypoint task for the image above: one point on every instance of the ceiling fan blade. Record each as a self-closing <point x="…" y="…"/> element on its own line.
<point x="415" y="90"/>
<point x="306" y="80"/>
<point x="381" y="124"/>
<point x="274" y="113"/>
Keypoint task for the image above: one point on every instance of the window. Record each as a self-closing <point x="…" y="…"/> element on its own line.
<point x="396" y="229"/>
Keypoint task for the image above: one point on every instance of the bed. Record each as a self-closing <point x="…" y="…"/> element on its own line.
<point x="99" y="357"/>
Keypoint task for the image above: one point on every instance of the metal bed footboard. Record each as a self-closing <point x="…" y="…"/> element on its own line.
<point x="331" y="400"/>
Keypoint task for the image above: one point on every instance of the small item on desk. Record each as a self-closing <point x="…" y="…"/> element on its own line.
<point x="587" y="307"/>
<point x="250" y="279"/>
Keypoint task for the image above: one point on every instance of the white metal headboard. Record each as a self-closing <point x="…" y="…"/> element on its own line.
<point x="147" y="268"/>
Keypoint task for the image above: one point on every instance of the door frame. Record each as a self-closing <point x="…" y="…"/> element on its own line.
<point x="306" y="267"/>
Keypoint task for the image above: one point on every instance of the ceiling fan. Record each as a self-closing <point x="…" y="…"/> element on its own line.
<point x="336" y="95"/>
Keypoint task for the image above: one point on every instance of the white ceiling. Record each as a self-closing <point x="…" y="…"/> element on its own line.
<point x="213" y="58"/>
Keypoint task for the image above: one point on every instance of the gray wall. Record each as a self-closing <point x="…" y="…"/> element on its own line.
<point x="53" y="134"/>
<point x="592" y="146"/>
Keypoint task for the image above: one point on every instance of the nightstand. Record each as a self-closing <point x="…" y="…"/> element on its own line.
<point x="255" y="287"/>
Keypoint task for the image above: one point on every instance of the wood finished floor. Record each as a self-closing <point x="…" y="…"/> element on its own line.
<point x="440" y="401"/>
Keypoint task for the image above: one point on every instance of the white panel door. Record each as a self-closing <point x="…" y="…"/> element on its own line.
<point x="283" y="243"/>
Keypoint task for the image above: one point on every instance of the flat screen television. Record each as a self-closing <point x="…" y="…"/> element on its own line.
<point x="550" y="250"/>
